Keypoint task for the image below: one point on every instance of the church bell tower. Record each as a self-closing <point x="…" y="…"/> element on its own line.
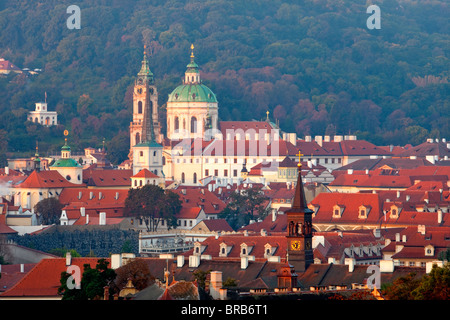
<point x="145" y="106"/>
<point x="299" y="229"/>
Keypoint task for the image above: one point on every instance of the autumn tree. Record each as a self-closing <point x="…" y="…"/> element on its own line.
<point x="138" y="271"/>
<point x="152" y="204"/>
<point x="49" y="210"/>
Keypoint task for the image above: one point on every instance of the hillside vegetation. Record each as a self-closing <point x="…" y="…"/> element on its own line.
<point x="312" y="63"/>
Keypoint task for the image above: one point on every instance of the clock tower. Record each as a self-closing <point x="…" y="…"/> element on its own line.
<point x="299" y="229"/>
<point x="145" y="107"/>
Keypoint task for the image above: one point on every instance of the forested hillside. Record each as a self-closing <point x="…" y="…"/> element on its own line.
<point x="312" y="63"/>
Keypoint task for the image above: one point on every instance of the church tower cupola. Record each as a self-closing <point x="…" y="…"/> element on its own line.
<point x="192" y="75"/>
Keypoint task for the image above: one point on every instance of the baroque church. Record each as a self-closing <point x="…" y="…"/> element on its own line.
<point x="197" y="146"/>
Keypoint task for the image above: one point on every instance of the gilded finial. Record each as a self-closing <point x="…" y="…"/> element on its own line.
<point x="267" y="113"/>
<point x="145" y="47"/>
<point x="299" y="158"/>
<point x="192" y="51"/>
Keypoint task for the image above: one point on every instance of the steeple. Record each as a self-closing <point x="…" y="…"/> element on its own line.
<point x="299" y="197"/>
<point x="145" y="73"/>
<point x="37" y="160"/>
<point x="299" y="222"/>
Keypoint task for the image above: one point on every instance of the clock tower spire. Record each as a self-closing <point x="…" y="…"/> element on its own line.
<point x="299" y="228"/>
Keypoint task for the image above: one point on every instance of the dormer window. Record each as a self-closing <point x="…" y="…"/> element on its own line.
<point x="395" y="211"/>
<point x="364" y="212"/>
<point x="245" y="249"/>
<point x="224" y="249"/>
<point x="337" y="211"/>
<point x="429" y="250"/>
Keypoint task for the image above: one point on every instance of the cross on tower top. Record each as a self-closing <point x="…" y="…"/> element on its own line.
<point x="299" y="158"/>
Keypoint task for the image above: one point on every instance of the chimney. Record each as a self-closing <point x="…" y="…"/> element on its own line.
<point x="387" y="266"/>
<point x="408" y="197"/>
<point x="68" y="258"/>
<point x="421" y="229"/>
<point x="397" y="237"/>
<point x="398" y="193"/>
<point x="319" y="140"/>
<point x="22" y="268"/>
<point x="404" y="238"/>
<point x="100" y="195"/>
<point x="351" y="264"/>
<point x="82" y="211"/>
<point x="246" y="233"/>
<point x="263" y="232"/>
<point x="215" y="284"/>
<point x="439" y="216"/>
<point x="307" y="138"/>
<point x="244" y="263"/>
<point x="194" y="261"/>
<point x="117" y="196"/>
<point x="350" y="171"/>
<point x="180" y="261"/>
<point x="7" y="171"/>
<point x="79" y="195"/>
<point x="91" y="195"/>
<point x="102" y="219"/>
<point x="87" y="219"/>
<point x="274" y="215"/>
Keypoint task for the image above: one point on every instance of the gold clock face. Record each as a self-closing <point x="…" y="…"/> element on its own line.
<point x="308" y="245"/>
<point x="296" y="245"/>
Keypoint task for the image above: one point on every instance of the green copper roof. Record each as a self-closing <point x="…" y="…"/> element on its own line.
<point x="65" y="163"/>
<point x="151" y="143"/>
<point x="194" y="92"/>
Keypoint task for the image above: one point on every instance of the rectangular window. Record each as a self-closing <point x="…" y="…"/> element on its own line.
<point x="235" y="173"/>
<point x="225" y="173"/>
<point x="206" y="172"/>
<point x="216" y="172"/>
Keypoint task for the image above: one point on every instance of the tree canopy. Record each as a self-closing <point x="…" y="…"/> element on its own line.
<point x="312" y="63"/>
<point x="152" y="204"/>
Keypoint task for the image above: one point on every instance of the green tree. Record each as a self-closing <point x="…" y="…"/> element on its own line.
<point x="49" y="210"/>
<point x="434" y="286"/>
<point x="244" y="206"/>
<point x="92" y="284"/>
<point x="402" y="287"/>
<point x="152" y="203"/>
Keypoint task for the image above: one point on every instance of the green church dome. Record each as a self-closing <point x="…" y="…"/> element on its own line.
<point x="192" y="92"/>
<point x="65" y="163"/>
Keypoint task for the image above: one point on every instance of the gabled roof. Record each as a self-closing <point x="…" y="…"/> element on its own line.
<point x="145" y="173"/>
<point x="46" y="179"/>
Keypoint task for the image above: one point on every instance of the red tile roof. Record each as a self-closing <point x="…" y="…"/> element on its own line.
<point x="107" y="177"/>
<point x="43" y="280"/>
<point x="200" y="197"/>
<point x="46" y="179"/>
<point x="351" y="203"/>
<point x="145" y="173"/>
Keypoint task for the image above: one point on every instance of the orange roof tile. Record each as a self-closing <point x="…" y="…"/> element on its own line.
<point x="46" y="179"/>
<point x="44" y="279"/>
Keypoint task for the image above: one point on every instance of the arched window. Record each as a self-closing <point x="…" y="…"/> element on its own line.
<point x="151" y="107"/>
<point x="195" y="177"/>
<point x="138" y="138"/>
<point x="177" y="123"/>
<point x="193" y="125"/>
<point x="140" y="107"/>
<point x="182" y="177"/>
